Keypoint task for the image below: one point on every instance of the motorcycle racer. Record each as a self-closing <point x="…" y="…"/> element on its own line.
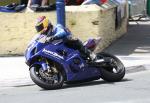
<point x="45" y="27"/>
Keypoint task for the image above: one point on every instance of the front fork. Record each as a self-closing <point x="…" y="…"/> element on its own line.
<point x="43" y="63"/>
<point x="49" y="68"/>
<point x="45" y="66"/>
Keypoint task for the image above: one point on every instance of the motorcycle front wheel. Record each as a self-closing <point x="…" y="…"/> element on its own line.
<point x="113" y="69"/>
<point x="46" y="79"/>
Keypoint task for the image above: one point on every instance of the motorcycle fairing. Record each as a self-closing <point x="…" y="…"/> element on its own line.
<point x="73" y="71"/>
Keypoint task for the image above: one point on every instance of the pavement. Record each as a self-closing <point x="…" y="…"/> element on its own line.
<point x="133" y="49"/>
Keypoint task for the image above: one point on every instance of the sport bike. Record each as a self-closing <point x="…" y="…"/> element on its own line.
<point x="53" y="64"/>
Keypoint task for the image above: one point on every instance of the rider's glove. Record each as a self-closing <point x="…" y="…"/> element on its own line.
<point x="50" y="39"/>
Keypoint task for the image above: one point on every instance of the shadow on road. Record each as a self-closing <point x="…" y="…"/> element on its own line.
<point x="86" y="84"/>
<point x="92" y="83"/>
<point x="136" y="40"/>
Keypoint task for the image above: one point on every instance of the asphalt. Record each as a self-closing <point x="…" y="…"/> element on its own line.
<point x="135" y="42"/>
<point x="133" y="49"/>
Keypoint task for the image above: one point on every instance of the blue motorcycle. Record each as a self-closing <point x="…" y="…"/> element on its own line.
<point x="53" y="63"/>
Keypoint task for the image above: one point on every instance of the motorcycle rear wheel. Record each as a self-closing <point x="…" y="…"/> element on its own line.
<point x="41" y="81"/>
<point x="114" y="71"/>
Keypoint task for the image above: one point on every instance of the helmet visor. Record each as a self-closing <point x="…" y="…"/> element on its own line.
<point x="39" y="28"/>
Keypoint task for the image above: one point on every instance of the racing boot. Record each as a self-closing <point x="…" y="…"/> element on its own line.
<point x="94" y="58"/>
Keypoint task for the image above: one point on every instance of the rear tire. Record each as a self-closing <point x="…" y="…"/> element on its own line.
<point x="108" y="73"/>
<point x="43" y="82"/>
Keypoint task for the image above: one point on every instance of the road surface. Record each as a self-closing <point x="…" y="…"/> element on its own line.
<point x="133" y="89"/>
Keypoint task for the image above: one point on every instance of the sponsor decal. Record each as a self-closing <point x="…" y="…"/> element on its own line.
<point x="52" y="53"/>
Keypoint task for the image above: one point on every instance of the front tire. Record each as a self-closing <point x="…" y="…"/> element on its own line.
<point x="111" y="72"/>
<point x="55" y="81"/>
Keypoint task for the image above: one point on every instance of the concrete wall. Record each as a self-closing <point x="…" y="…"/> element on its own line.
<point x="93" y="21"/>
<point x="17" y="29"/>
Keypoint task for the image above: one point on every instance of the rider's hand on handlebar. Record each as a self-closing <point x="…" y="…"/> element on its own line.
<point x="50" y="39"/>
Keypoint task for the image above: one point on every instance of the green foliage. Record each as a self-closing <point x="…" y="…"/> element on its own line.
<point x="6" y="2"/>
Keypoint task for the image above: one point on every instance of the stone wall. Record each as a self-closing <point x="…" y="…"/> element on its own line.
<point x="85" y="22"/>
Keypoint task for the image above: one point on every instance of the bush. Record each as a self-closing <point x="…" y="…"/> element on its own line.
<point x="6" y="2"/>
